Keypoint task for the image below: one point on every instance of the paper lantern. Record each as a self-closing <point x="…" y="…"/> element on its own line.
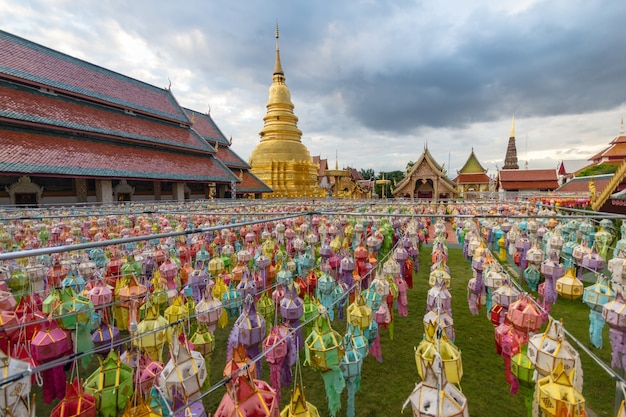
<point x="435" y="396"/>
<point x="185" y="372"/>
<point x="431" y="348"/>
<point x="546" y="350"/>
<point x="105" y="338"/>
<point x="443" y="320"/>
<point x="598" y="294"/>
<point x="14" y="394"/>
<point x="569" y="286"/>
<point x="359" y="313"/>
<point x="324" y="350"/>
<point x="557" y="396"/>
<point x="525" y="316"/>
<point x="111" y="385"/>
<point x="152" y="333"/>
<point x="298" y="405"/>
<point x="523" y="368"/>
<point x="506" y="295"/>
<point x="252" y="398"/>
<point x="76" y="403"/>
<point x="50" y="342"/>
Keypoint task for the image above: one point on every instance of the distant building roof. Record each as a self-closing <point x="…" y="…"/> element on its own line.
<point x="472" y="165"/>
<point x="528" y="179"/>
<point x="478" y="178"/>
<point x="581" y="184"/>
<point x="615" y="151"/>
<point x="571" y="166"/>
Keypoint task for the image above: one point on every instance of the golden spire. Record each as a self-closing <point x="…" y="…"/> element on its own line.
<point x="278" y="69"/>
<point x="336" y="160"/>
<point x="621" y="127"/>
<point x="512" y="135"/>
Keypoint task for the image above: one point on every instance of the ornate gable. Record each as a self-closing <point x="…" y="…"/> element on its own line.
<point x="426" y="175"/>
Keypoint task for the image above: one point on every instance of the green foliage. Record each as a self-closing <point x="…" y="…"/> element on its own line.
<point x="394" y="177"/>
<point x="598" y="170"/>
<point x="368" y="174"/>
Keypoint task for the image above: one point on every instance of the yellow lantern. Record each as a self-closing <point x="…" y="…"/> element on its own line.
<point x="569" y="286"/>
<point x="153" y="331"/>
<point x="557" y="395"/>
<point x="359" y="313"/>
<point x="449" y="354"/>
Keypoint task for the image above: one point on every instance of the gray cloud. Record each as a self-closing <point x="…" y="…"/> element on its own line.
<point x="372" y="78"/>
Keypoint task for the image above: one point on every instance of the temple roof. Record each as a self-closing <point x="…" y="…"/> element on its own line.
<point x="25" y="60"/>
<point x="472" y="165"/>
<point x="204" y="125"/>
<point x="615" y="150"/>
<point x="426" y="160"/>
<point x="528" y="179"/>
<point x="251" y="184"/>
<point x="473" y="178"/>
<point x="39" y="153"/>
<point x="581" y="184"/>
<point x="25" y="105"/>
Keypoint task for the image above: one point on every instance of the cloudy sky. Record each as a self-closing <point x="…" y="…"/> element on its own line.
<point x="376" y="80"/>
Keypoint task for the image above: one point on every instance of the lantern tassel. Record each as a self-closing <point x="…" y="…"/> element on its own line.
<point x="334" y="385"/>
<point x="375" y="349"/>
<point x="596" y="324"/>
<point x="353" y="384"/>
<point x="53" y="384"/>
<point x="223" y="320"/>
<point x="84" y="343"/>
<point x="275" y="379"/>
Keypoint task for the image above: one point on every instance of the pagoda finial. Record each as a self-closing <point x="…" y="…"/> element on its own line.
<point x="336" y="160"/>
<point x="278" y="69"/>
<point x="621" y="126"/>
<point x="512" y="127"/>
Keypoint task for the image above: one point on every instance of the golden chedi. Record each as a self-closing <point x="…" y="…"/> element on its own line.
<point x="281" y="160"/>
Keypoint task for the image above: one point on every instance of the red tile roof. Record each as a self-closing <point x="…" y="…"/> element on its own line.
<point x="476" y="178"/>
<point x="203" y="124"/>
<point x="528" y="179"/>
<point x="33" y="153"/>
<point x="24" y="60"/>
<point x="250" y="183"/>
<point x="30" y="106"/>
<point x="230" y="158"/>
<point x="581" y="184"/>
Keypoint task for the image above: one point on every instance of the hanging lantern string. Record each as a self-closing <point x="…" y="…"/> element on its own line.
<point x="121" y="241"/>
<point x="78" y="355"/>
<point x="288" y="334"/>
<point x="581" y="345"/>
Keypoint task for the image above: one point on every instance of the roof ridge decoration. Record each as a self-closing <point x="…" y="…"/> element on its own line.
<point x="472" y="165"/>
<point x="58" y="71"/>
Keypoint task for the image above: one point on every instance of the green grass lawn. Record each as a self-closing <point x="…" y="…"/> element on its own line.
<point x="385" y="386"/>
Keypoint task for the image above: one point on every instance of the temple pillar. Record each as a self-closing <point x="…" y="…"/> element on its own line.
<point x="178" y="191"/>
<point x="81" y="189"/>
<point x="157" y="190"/>
<point x="104" y="191"/>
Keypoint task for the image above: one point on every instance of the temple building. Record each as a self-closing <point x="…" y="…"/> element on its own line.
<point x="74" y="132"/>
<point x="347" y="183"/>
<point x="426" y="180"/>
<point x="281" y="160"/>
<point x="510" y="160"/>
<point x="472" y="178"/>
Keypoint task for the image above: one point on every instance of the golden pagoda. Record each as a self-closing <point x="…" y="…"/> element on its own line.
<point x="280" y="160"/>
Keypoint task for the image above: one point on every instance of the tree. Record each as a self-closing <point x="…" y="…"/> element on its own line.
<point x="394" y="177"/>
<point x="409" y="165"/>
<point x="368" y="174"/>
